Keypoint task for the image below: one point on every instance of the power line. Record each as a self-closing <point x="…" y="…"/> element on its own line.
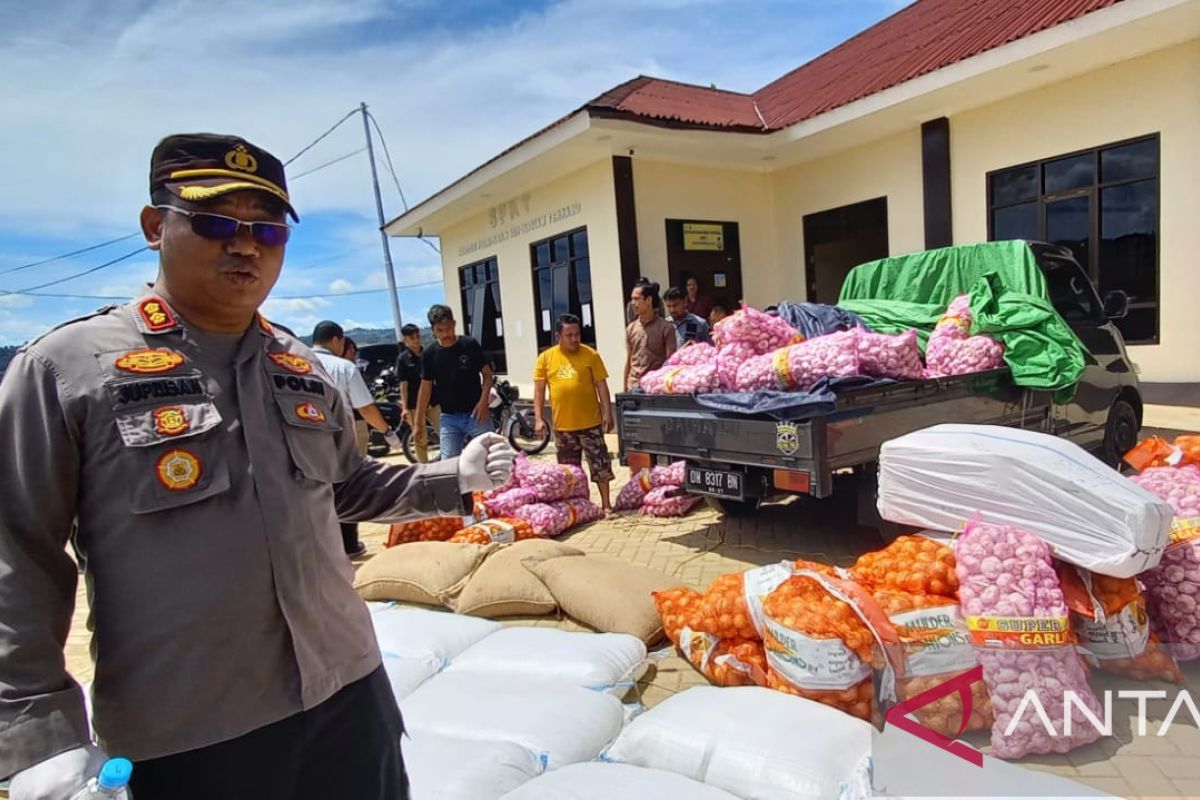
<point x="314" y="142"/>
<point x="327" y="164"/>
<point x="396" y="179"/>
<point x="119" y="259"/>
<point x="69" y="255"/>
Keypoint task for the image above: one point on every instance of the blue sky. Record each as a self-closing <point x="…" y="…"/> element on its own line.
<point x="89" y="87"/>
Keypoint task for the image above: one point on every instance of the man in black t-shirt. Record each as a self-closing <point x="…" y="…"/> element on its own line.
<point x="408" y="372"/>
<point x="457" y="368"/>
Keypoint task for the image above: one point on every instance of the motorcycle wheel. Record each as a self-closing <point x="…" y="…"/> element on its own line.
<point x="410" y="447"/>
<point x="521" y="434"/>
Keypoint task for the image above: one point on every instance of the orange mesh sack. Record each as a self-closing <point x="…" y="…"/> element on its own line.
<point x="913" y="564"/>
<point x="937" y="647"/>
<point x="679" y="608"/>
<point x="430" y="529"/>
<point x="733" y="603"/>
<point x="501" y="530"/>
<point x="818" y="642"/>
<point x="1157" y="452"/>
<point x="725" y="662"/>
<point x="1114" y="634"/>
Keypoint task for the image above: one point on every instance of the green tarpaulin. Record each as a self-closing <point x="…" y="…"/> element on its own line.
<point x="1008" y="299"/>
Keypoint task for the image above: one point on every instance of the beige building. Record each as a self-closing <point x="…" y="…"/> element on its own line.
<point x="1074" y="121"/>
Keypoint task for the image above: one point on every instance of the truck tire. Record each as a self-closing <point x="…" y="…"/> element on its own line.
<point x="733" y="508"/>
<point x="1120" y="433"/>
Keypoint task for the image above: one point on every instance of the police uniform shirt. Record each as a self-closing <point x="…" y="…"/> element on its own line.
<point x="346" y="378"/>
<point x="207" y="491"/>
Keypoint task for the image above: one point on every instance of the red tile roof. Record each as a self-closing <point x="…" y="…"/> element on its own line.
<point x="917" y="40"/>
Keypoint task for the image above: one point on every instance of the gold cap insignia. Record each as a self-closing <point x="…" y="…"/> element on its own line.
<point x="240" y="159"/>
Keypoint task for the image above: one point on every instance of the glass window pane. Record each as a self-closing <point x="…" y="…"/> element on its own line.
<point x="1135" y="160"/>
<point x="583" y="279"/>
<point x="562" y="249"/>
<point x="543" y="254"/>
<point x="1065" y="174"/>
<point x="562" y="290"/>
<point x="545" y="288"/>
<point x="1068" y="222"/>
<point x="1014" y="185"/>
<point x="579" y="243"/>
<point x="1140" y="324"/>
<point x="1129" y="240"/>
<point x="1015" y="222"/>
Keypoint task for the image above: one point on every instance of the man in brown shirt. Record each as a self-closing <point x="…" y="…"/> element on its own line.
<point x="649" y="339"/>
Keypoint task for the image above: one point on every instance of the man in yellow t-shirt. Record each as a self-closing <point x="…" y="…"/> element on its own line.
<point x="579" y="402"/>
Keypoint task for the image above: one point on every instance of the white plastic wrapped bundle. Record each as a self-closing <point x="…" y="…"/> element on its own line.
<point x="884" y="356"/>
<point x="1173" y="587"/>
<point x="1090" y="515"/>
<point x="668" y="501"/>
<point x="799" y="366"/>
<point x="758" y="329"/>
<point x="692" y="354"/>
<point x="698" y="379"/>
<point x="1015" y="609"/>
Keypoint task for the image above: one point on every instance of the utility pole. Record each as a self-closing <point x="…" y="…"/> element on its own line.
<point x="387" y="251"/>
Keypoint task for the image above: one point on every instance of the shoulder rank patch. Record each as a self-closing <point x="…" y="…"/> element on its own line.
<point x="292" y="362"/>
<point x="310" y="413"/>
<point x="156" y="315"/>
<point x="264" y="325"/>
<point x="170" y="421"/>
<point x="149" y="362"/>
<point x="178" y="470"/>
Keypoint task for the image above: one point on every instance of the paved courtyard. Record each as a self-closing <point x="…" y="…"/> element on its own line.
<point x="701" y="546"/>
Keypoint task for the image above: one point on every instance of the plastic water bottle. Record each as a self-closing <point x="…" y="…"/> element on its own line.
<point x="111" y="784"/>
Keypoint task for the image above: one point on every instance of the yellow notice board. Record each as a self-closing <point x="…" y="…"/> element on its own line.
<point x="703" y="236"/>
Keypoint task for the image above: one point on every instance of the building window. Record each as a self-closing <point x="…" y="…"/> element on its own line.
<point x="562" y="283"/>
<point x="1101" y="203"/>
<point x="483" y="319"/>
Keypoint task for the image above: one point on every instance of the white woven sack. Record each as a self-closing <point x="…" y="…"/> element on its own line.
<point x="443" y="768"/>
<point x="599" y="781"/>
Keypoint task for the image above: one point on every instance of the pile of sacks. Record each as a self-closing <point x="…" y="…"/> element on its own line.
<point x="541" y="499"/>
<point x="755" y="351"/>
<point x="658" y="492"/>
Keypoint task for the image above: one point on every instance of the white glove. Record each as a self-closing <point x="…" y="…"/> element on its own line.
<point x="58" y="777"/>
<point x="485" y="463"/>
<point x="393" y="441"/>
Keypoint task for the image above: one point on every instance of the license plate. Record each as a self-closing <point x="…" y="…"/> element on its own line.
<point x="716" y="482"/>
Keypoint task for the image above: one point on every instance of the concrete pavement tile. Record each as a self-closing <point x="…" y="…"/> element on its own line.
<point x="1187" y="787"/>
<point x="1151" y="745"/>
<point x="1117" y="787"/>
<point x="1179" y="766"/>
<point x="1097" y="769"/>
<point x="1145" y="779"/>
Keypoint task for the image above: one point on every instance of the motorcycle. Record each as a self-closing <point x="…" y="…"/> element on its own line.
<point x="515" y="423"/>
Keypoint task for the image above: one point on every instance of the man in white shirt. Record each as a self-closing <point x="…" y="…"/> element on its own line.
<point x="329" y="345"/>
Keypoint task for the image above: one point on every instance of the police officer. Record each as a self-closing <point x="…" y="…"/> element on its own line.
<point x="206" y="458"/>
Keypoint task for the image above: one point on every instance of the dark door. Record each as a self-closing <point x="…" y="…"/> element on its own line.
<point x="840" y="239"/>
<point x="710" y="252"/>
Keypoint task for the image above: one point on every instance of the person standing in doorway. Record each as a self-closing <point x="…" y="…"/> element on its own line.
<point x="720" y="311"/>
<point x="649" y="339"/>
<point x="579" y="402"/>
<point x="329" y="346"/>
<point x="459" y="371"/>
<point x="408" y="372"/>
<point x="688" y="326"/>
<point x="697" y="304"/>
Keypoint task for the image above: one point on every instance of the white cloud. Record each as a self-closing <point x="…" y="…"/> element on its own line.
<point x="15" y="301"/>
<point x="341" y="286"/>
<point x="297" y="305"/>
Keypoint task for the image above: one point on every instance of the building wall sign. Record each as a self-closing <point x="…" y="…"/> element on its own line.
<point x="701" y="236"/>
<point x="513" y="219"/>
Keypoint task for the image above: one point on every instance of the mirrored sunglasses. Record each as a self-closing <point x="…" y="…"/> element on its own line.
<point x="219" y="227"/>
